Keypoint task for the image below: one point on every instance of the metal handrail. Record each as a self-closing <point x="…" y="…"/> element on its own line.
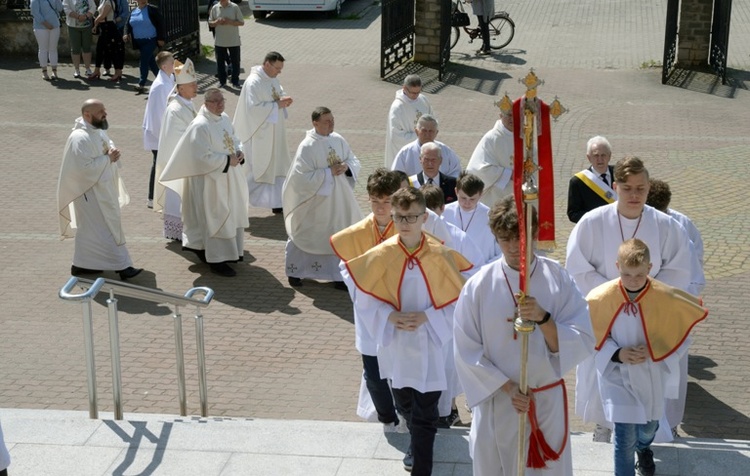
<point x="145" y="294"/>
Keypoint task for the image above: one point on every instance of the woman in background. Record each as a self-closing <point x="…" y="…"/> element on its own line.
<point x="79" y="16"/>
<point x="46" y="15"/>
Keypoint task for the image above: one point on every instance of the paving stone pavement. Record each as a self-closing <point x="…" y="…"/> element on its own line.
<point x="277" y="352"/>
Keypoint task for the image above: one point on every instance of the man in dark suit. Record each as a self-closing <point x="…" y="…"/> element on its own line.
<point x="592" y="187"/>
<point x="430" y="157"/>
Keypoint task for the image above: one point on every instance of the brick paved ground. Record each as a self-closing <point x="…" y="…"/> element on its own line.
<point x="275" y="352"/>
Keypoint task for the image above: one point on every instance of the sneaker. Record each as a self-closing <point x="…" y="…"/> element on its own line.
<point x="89" y="72"/>
<point x="45" y="76"/>
<point x="236" y="85"/>
<point x="408" y="461"/>
<point x="602" y="434"/>
<point x="54" y="75"/>
<point x="149" y="203"/>
<point x="295" y="282"/>
<point x="76" y="74"/>
<point x="107" y="73"/>
<point x="675" y="434"/>
<point x="645" y="465"/>
<point x="450" y="420"/>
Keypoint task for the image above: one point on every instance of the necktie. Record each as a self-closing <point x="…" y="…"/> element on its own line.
<point x="429" y="181"/>
<point x="604" y="179"/>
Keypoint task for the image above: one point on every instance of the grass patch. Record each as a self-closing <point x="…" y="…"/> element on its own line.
<point x="650" y="64"/>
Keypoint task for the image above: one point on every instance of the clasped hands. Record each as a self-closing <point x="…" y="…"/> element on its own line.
<point x="236" y="159"/>
<point x="284" y="101"/>
<point x="407" y="321"/>
<point x="338" y="169"/>
<point x="634" y="355"/>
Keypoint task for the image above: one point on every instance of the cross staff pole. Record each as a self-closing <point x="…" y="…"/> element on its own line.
<point x="533" y="182"/>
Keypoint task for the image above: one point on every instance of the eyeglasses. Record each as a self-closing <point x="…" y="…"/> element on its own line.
<point x="406" y="218"/>
<point x="217" y="101"/>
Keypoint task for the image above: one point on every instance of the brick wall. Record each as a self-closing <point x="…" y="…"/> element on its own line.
<point x="427" y="31"/>
<point x="694" y="32"/>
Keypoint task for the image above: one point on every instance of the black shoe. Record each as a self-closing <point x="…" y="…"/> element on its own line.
<point x="277" y="210"/>
<point x="129" y="272"/>
<point x="645" y="465"/>
<point x="139" y="89"/>
<point x="408" y="461"/>
<point x="222" y="269"/>
<point x="76" y="271"/>
<point x="295" y="282"/>
<point x="340" y="285"/>
<point x="448" y="421"/>
<point x="201" y="254"/>
<point x="236" y="85"/>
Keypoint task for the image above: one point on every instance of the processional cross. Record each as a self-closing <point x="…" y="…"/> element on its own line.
<point x="533" y="181"/>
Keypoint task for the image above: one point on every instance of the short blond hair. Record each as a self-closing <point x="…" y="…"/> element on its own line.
<point x="633" y="253"/>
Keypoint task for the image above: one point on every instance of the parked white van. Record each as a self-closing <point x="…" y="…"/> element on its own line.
<point x="261" y="8"/>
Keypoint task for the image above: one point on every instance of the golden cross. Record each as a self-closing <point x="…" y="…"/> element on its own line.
<point x="275" y="94"/>
<point x="333" y="159"/>
<point x="228" y="142"/>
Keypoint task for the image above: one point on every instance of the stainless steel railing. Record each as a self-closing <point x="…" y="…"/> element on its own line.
<point x="92" y="288"/>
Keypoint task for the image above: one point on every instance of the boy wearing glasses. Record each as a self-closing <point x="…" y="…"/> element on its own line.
<point x="348" y="244"/>
<point x="406" y="289"/>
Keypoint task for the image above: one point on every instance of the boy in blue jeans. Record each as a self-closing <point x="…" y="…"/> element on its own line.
<point x="641" y="327"/>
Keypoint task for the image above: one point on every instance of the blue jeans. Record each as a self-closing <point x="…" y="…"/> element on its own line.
<point x="148" y="61"/>
<point x="380" y="391"/>
<point x="629" y="438"/>
<point x="421" y="413"/>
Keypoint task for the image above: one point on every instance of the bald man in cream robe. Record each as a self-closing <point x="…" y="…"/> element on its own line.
<point x="214" y="190"/>
<point x="492" y="161"/>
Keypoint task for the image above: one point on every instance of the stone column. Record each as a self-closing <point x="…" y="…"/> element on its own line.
<point x="694" y="33"/>
<point x="427" y="31"/>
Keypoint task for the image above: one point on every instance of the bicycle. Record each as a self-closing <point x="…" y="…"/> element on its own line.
<point x="502" y="29"/>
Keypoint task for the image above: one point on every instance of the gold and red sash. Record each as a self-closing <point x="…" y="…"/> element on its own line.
<point x="357" y="239"/>
<point x="539" y="450"/>
<point x="667" y="314"/>
<point x="606" y="195"/>
<point x="380" y="271"/>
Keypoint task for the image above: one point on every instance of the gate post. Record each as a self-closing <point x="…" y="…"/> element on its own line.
<point x="695" y="33"/>
<point x="427" y="31"/>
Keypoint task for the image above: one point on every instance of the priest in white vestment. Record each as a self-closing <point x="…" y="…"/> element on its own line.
<point x="90" y="194"/>
<point x="407" y="159"/>
<point x="260" y="122"/>
<point x="492" y="161"/>
<point x="592" y="255"/>
<point x="410" y="104"/>
<point x="318" y="201"/>
<point x="179" y="114"/>
<point x="214" y="190"/>
<point x="488" y="355"/>
<point x="156" y="104"/>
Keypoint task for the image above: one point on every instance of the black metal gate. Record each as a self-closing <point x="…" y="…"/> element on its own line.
<point x="182" y="27"/>
<point x="446" y="9"/>
<point x="396" y="35"/>
<point x="720" y="38"/>
<point x="670" y="40"/>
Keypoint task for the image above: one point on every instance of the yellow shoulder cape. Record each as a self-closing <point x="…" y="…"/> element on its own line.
<point x="667" y="314"/>
<point x="357" y="239"/>
<point x="380" y="271"/>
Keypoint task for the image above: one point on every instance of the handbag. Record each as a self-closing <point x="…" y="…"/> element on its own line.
<point x="460" y="18"/>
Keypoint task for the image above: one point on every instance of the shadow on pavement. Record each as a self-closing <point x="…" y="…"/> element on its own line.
<point x="708" y="417"/>
<point x="709" y="83"/>
<point x="269" y="227"/>
<point x="254" y="289"/>
<point x="326" y="298"/>
<point x="460" y="75"/>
